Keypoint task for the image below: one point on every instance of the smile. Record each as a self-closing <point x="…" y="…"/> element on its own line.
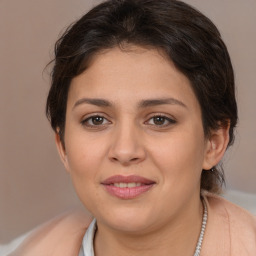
<point x="127" y="187"/>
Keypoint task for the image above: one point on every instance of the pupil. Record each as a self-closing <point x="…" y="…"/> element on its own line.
<point x="97" y="120"/>
<point x="159" y="120"/>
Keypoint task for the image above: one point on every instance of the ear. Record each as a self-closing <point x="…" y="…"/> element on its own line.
<point x="216" y="146"/>
<point x="61" y="150"/>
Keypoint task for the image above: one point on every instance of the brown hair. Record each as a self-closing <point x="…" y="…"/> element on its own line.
<point x="185" y="35"/>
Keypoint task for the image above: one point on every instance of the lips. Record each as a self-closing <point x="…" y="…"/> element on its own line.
<point x="127" y="187"/>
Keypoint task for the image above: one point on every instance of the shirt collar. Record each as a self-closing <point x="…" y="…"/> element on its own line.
<point x="87" y="243"/>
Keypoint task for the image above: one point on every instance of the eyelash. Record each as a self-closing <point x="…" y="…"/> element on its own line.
<point x="86" y="121"/>
<point x="168" y="119"/>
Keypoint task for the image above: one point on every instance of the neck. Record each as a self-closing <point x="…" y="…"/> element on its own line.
<point x="179" y="237"/>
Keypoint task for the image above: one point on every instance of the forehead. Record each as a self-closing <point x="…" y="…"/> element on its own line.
<point x="144" y="73"/>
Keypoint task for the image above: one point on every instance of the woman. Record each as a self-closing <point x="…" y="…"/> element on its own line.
<point x="142" y="102"/>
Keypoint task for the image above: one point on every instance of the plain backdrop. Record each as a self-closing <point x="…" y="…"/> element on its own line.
<point x="33" y="183"/>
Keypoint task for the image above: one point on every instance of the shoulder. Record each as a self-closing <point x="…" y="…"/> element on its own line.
<point x="60" y="236"/>
<point x="235" y="213"/>
<point x="240" y="223"/>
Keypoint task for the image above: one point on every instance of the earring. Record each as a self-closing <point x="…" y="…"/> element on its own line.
<point x="212" y="169"/>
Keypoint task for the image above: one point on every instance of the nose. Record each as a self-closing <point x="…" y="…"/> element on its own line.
<point x="127" y="145"/>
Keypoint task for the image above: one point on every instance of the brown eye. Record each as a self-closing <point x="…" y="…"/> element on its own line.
<point x="161" y="121"/>
<point x="95" y="121"/>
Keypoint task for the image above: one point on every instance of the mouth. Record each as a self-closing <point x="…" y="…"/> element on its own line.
<point x="127" y="187"/>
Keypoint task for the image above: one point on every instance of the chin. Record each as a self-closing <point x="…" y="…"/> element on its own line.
<point x="134" y="221"/>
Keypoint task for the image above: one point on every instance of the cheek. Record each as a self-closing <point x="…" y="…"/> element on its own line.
<point x="84" y="156"/>
<point x="85" y="159"/>
<point x="180" y="156"/>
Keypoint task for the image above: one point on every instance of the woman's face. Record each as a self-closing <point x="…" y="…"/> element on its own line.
<point x="134" y="140"/>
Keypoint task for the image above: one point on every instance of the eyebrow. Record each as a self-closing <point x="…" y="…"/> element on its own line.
<point x="142" y="104"/>
<point x="96" y="102"/>
<point x="164" y="101"/>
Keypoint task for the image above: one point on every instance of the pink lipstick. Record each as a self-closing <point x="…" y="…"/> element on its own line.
<point x="127" y="187"/>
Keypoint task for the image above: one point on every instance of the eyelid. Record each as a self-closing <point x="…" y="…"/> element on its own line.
<point x="169" y="118"/>
<point x="90" y="116"/>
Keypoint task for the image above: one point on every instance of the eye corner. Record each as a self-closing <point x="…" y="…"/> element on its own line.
<point x="95" y="121"/>
<point x="161" y="120"/>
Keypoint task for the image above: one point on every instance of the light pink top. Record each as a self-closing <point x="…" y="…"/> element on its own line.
<point x="230" y="231"/>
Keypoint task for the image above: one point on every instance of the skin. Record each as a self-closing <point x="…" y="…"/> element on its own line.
<point x="128" y="140"/>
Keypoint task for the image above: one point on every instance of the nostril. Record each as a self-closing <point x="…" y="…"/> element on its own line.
<point x="125" y="161"/>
